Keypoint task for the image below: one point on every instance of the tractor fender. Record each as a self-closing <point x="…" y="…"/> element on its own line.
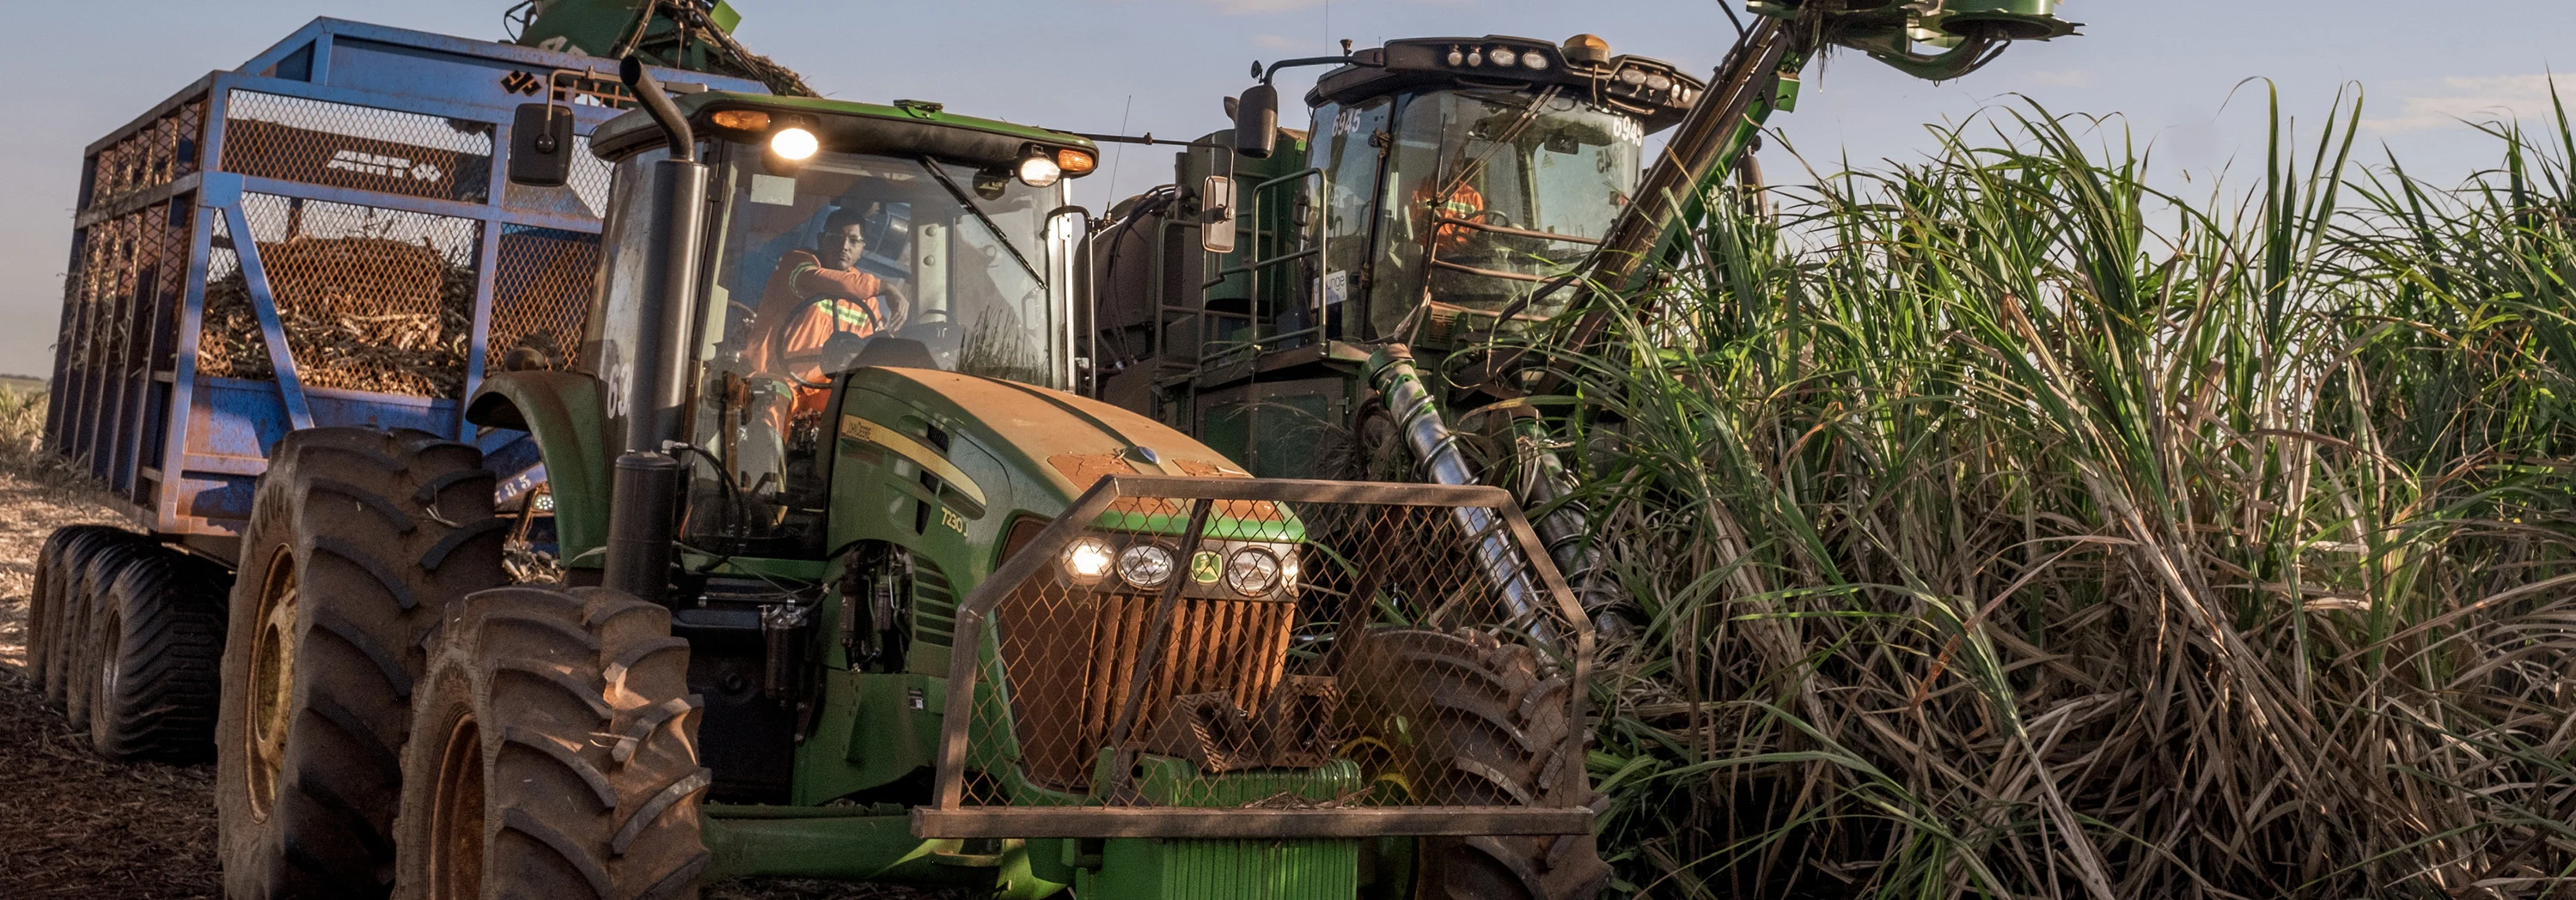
<point x="561" y="412"/>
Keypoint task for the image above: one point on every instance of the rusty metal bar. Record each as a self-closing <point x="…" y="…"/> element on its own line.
<point x="1157" y="633"/>
<point x="1514" y="232"/>
<point x="1489" y="273"/>
<point x="1377" y="821"/>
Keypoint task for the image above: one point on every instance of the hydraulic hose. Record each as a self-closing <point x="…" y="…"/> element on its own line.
<point x="1435" y="448"/>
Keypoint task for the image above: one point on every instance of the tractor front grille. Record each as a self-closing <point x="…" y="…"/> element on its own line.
<point x="1071" y="665"/>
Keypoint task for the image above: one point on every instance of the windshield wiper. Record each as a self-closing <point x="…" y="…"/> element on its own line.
<point x="989" y="224"/>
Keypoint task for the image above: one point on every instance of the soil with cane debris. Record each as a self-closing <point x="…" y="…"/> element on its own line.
<point x="75" y="826"/>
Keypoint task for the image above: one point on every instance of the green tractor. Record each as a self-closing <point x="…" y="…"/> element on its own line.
<point x="1450" y="195"/>
<point x="849" y="585"/>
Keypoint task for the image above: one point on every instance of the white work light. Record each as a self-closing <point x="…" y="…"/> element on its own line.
<point x="1039" y="171"/>
<point x="1088" y="560"/>
<point x="794" y="144"/>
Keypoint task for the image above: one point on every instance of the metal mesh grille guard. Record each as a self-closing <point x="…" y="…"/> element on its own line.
<point x="1231" y="657"/>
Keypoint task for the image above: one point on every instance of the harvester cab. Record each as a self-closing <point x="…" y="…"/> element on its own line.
<point x="1273" y="300"/>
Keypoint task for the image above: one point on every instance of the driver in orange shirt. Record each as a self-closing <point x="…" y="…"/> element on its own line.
<point x="816" y="295"/>
<point x="1464" y="203"/>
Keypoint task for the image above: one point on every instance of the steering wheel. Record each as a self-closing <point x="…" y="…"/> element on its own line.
<point x="1489" y="212"/>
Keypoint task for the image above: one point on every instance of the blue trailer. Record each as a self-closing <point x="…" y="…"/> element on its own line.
<point x="390" y="263"/>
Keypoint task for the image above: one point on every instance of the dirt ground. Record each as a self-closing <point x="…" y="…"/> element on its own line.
<point x="72" y="825"/>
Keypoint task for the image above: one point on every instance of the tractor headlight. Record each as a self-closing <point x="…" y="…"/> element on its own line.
<point x="794" y="144"/>
<point x="1254" y="572"/>
<point x="1039" y="171"/>
<point x="1146" y="565"/>
<point x="1504" y="57"/>
<point x="1088" y="560"/>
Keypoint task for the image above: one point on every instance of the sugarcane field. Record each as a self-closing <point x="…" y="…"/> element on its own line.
<point x="789" y="450"/>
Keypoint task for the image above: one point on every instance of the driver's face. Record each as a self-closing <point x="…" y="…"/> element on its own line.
<point x="842" y="247"/>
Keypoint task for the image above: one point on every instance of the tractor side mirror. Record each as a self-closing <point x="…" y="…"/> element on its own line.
<point x="541" y="142"/>
<point x="1256" y="122"/>
<point x="1216" y="214"/>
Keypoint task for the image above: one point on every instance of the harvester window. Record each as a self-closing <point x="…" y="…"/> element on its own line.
<point x="1490" y="194"/>
<point x="1349" y="156"/>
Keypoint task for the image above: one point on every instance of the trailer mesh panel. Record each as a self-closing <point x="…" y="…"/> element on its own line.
<point x="372" y="299"/>
<point x="340" y="145"/>
<point x="541" y="291"/>
<point x="159" y="153"/>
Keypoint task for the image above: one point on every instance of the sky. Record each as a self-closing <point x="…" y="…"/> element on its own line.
<point x="2175" y="73"/>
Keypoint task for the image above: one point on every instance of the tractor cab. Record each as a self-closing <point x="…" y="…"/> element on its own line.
<point x="838" y="236"/>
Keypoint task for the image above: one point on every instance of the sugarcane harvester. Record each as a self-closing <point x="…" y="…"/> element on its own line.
<point x="1280" y="300"/>
<point x="816" y="564"/>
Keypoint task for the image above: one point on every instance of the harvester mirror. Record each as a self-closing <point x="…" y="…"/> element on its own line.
<point x="1256" y="122"/>
<point x="1216" y="214"/>
<point x="541" y="143"/>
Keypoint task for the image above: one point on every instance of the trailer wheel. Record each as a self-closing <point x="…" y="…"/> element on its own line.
<point x="1483" y="726"/>
<point x="556" y="753"/>
<point x="357" y="540"/>
<point x="159" y="642"/>
<point x="86" y="583"/>
<point x="53" y="605"/>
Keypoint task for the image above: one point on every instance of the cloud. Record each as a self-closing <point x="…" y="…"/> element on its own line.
<point x="2472" y="98"/>
<point x="2066" y="78"/>
<point x="1259" y="7"/>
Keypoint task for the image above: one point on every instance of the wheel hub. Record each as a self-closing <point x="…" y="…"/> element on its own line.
<point x="456" y="817"/>
<point x="272" y="684"/>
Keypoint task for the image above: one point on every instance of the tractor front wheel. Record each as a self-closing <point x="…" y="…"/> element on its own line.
<point x="358" y="539"/>
<point x="554" y="754"/>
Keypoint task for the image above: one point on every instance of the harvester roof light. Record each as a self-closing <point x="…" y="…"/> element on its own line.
<point x="1039" y="170"/>
<point x="1632" y="77"/>
<point x="1457" y="57"/>
<point x="1659" y="82"/>
<point x="794" y="144"/>
<point x="1536" y="61"/>
<point x="1504" y="57"/>
<point x="1476" y="57"/>
<point x="1587" y="49"/>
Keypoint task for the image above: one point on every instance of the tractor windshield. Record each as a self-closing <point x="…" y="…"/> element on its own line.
<point x="1492" y="193"/>
<point x="843" y="262"/>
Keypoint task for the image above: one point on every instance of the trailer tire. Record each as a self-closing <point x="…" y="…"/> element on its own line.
<point x="1489" y="728"/>
<point x="358" y="539"/>
<point x="158" y="639"/>
<point x="556" y="755"/>
<point x="86" y="586"/>
<point x="53" y="605"/>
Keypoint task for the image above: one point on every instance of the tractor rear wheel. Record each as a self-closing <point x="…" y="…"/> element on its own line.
<point x="556" y="753"/>
<point x="85" y="595"/>
<point x="158" y="638"/>
<point x="357" y="541"/>
<point x="1483" y="725"/>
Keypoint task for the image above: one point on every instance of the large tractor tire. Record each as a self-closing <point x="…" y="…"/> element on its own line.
<point x="85" y="588"/>
<point x="554" y="754"/>
<point x="158" y="639"/>
<point x="54" y="605"/>
<point x="1466" y="720"/>
<point x="46" y="601"/>
<point x="357" y="541"/>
